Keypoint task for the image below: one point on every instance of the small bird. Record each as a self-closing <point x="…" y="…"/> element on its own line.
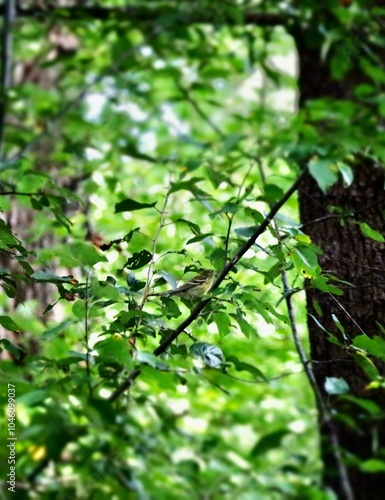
<point x="196" y="287"/>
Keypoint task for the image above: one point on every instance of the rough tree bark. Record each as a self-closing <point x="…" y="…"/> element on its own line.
<point x="360" y="261"/>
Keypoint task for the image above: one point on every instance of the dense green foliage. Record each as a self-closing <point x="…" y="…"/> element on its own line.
<point x="184" y="139"/>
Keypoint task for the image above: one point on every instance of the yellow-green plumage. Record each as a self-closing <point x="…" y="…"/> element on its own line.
<point x="196" y="287"/>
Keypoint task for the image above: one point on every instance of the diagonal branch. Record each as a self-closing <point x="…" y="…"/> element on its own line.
<point x="261" y="229"/>
<point x="127" y="383"/>
<point x="232" y="263"/>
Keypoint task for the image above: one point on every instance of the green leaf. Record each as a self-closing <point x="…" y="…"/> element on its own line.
<point x="254" y="214"/>
<point x="370" y="233"/>
<point x="114" y="349"/>
<point x="366" y="404"/>
<point x="223" y="323"/>
<point x="56" y="330"/>
<point x="307" y="256"/>
<point x="334" y="385"/>
<point x="194" y="227"/>
<point x="374" y="346"/>
<point x="109" y="292"/>
<point x="321" y="282"/>
<point x="132" y="151"/>
<point x="210" y="354"/>
<point x="170" y="307"/>
<point x="11" y="348"/>
<point x="35" y="204"/>
<point x="247" y="328"/>
<point x="198" y="238"/>
<point x="138" y="260"/>
<point x="33" y="397"/>
<point x="169" y="279"/>
<point x="130" y="205"/>
<point x="229" y="208"/>
<point x="79" y="309"/>
<point x="242" y="366"/>
<point x="273" y="192"/>
<point x="87" y="254"/>
<point x="9" y="286"/>
<point x="366" y="365"/>
<point x="346" y="172"/>
<point x="373" y="465"/>
<point x="43" y="277"/>
<point x="375" y="72"/>
<point x="316" y="307"/>
<point x="6" y="236"/>
<point x="62" y="219"/>
<point x="130" y="234"/>
<point x="185" y="185"/>
<point x="134" y="284"/>
<point x="8" y="323"/>
<point x="269" y="441"/>
<point x="55" y="348"/>
<point x="338" y="324"/>
<point x="148" y="358"/>
<point x="246" y="232"/>
<point x="324" y="172"/>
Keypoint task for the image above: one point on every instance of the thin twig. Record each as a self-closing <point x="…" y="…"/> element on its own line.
<point x="347" y="314"/>
<point x="227" y="239"/>
<point x="355" y="263"/>
<point x="208" y="120"/>
<point x="324" y="412"/>
<point x="18" y="193"/>
<point x="266" y="381"/>
<point x="365" y="285"/>
<point x="231" y="217"/>
<point x="199" y="110"/>
<point x="325" y="218"/>
<point x="86" y="336"/>
<point x="155" y="241"/>
<point x="225" y="391"/>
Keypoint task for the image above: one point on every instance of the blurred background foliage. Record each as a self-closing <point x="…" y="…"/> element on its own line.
<point x="198" y="122"/>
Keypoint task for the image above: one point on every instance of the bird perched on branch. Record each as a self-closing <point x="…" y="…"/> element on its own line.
<point x="196" y="287"/>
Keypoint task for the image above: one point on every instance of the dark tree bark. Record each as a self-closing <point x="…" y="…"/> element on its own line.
<point x="360" y="261"/>
<point x="21" y="219"/>
<point x="352" y="257"/>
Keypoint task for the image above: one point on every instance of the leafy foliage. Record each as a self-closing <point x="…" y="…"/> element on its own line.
<point x="169" y="164"/>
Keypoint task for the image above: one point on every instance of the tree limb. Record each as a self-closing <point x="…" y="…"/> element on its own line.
<point x="230" y="15"/>
<point x="226" y="269"/>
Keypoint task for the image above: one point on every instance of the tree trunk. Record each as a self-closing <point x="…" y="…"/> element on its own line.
<point x="359" y="260"/>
